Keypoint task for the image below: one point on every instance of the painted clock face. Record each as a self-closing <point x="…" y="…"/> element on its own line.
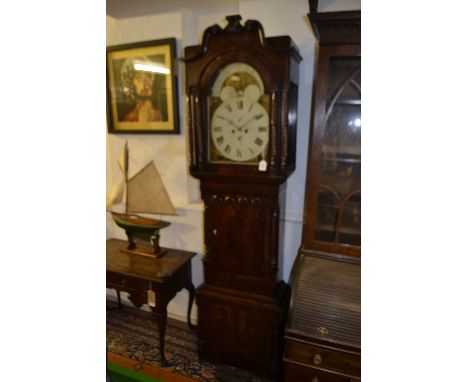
<point x="239" y="121"/>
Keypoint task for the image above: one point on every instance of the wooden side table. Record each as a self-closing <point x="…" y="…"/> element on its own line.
<point x="137" y="274"/>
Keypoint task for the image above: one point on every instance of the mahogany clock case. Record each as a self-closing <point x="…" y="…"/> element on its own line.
<point x="243" y="301"/>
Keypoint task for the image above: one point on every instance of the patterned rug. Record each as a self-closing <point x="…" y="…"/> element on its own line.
<point x="135" y="335"/>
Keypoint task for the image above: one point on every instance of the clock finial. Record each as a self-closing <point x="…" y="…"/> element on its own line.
<point x="233" y="23"/>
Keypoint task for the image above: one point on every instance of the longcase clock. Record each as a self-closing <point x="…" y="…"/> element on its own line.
<point x="242" y="98"/>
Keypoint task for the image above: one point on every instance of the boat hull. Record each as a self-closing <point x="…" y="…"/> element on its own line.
<point x="137" y="223"/>
<point x="142" y="228"/>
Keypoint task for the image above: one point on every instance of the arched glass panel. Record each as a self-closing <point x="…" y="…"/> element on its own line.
<point x="350" y="225"/>
<point x="327" y="215"/>
<point x="340" y="164"/>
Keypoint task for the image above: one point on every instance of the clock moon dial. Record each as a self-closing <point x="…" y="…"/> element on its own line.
<point x="236" y="74"/>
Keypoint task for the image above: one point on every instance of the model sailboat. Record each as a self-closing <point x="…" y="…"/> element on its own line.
<point x="144" y="193"/>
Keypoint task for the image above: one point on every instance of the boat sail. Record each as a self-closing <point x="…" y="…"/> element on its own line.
<point x="143" y="193"/>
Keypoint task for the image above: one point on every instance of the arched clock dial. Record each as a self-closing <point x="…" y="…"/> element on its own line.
<point x="239" y="123"/>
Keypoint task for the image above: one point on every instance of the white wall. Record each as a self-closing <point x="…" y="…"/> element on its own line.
<point x="170" y="152"/>
<point x="338" y="5"/>
<point x="290" y="18"/>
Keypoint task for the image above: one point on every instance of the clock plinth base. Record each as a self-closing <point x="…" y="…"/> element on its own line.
<point x="242" y="330"/>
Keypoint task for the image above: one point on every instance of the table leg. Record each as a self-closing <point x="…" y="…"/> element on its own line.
<point x="162" y="322"/>
<point x="119" y="302"/>
<point x="191" y="289"/>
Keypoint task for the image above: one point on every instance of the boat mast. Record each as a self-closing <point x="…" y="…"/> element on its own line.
<point x="125" y="160"/>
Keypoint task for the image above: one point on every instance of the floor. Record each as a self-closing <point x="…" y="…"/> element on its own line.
<point x="224" y="373"/>
<point x="148" y="370"/>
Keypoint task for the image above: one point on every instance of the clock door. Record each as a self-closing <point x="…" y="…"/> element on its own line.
<point x="237" y="238"/>
<point x="235" y="235"/>
<point x="238" y="116"/>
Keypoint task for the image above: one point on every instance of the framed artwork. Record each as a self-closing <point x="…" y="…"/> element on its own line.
<point x="142" y="88"/>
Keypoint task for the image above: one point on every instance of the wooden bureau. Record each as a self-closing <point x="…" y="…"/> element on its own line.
<point x="322" y="341"/>
<point x="323" y="331"/>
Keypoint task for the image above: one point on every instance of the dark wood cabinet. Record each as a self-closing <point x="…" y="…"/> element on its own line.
<point x="323" y="332"/>
<point x="242" y="99"/>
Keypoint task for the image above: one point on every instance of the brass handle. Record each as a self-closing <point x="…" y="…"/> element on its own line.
<point x="322" y="330"/>
<point x="215" y="231"/>
<point x="315" y="379"/>
<point x="317" y="359"/>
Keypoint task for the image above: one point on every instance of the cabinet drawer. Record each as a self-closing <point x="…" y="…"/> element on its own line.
<point x="322" y="357"/>
<point x="121" y="282"/>
<point x="296" y="373"/>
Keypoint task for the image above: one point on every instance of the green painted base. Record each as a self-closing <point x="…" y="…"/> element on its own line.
<point x="120" y="374"/>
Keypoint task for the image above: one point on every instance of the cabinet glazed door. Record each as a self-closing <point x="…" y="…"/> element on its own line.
<point x="339" y="197"/>
<point x="334" y="187"/>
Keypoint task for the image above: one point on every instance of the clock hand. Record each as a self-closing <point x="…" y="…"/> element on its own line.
<point x="245" y="124"/>
<point x="246" y="115"/>
<point x="239" y="128"/>
<point x="227" y="119"/>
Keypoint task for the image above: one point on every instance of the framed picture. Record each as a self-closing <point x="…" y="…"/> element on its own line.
<point x="142" y="88"/>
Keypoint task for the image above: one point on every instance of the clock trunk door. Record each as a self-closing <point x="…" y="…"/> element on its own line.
<point x="236" y="228"/>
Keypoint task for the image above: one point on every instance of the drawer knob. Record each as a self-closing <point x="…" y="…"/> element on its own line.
<point x="215" y="231"/>
<point x="123" y="281"/>
<point x="315" y="379"/>
<point x="323" y="331"/>
<point x="317" y="359"/>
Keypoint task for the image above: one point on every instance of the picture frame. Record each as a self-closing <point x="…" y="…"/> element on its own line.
<point x="142" y="95"/>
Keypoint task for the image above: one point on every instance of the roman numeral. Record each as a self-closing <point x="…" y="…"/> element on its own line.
<point x="227" y="149"/>
<point x="220" y="140"/>
<point x="258" y="116"/>
<point x="220" y="117"/>
<point x="262" y="129"/>
<point x="239" y="153"/>
<point x="258" y="141"/>
<point x="251" y="106"/>
<point x="227" y="106"/>
<point x="217" y="128"/>
<point x="240" y="104"/>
